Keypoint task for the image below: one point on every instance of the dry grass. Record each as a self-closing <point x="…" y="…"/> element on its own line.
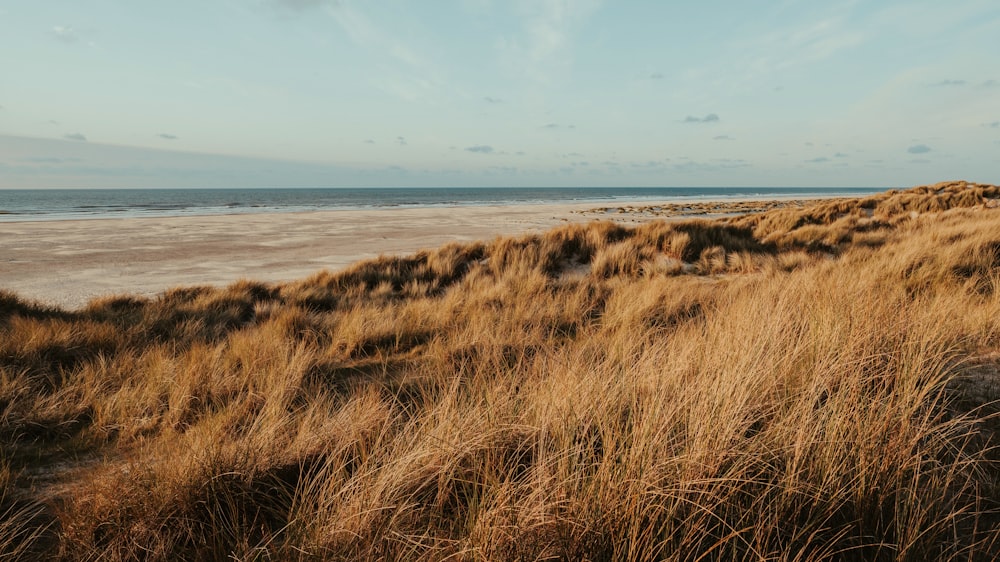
<point x="780" y="386"/>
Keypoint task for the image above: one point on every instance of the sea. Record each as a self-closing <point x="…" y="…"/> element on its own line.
<point x="64" y="204"/>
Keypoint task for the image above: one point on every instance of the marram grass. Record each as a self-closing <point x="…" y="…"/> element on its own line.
<point x="796" y="385"/>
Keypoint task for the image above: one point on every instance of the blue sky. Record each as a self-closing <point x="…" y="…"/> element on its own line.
<point x="287" y="93"/>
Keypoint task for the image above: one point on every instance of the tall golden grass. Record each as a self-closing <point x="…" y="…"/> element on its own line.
<point x="791" y="385"/>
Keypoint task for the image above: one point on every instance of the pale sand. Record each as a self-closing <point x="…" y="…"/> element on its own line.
<point x="67" y="263"/>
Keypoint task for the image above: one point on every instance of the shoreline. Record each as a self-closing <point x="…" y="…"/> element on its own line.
<point x="106" y="210"/>
<point x="69" y="262"/>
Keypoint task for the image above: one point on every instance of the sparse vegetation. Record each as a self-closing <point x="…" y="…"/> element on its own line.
<point x="802" y="384"/>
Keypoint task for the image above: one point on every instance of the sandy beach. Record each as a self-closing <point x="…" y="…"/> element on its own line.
<point x="69" y="262"/>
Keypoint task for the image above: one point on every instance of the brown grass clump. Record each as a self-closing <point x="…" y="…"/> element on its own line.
<point x="812" y="384"/>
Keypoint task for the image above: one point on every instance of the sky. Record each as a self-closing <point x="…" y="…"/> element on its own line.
<point x="353" y="93"/>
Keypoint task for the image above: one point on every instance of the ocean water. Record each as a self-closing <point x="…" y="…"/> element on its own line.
<point x="62" y="204"/>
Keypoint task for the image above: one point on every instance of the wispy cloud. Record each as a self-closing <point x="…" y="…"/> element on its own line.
<point x="805" y="43"/>
<point x="648" y="165"/>
<point x="407" y="74"/>
<point x="502" y="169"/>
<point x="362" y="31"/>
<point x="723" y="138"/>
<point x="493" y="100"/>
<point x="48" y="160"/>
<point x="301" y="5"/>
<point x="167" y="136"/>
<point x="545" y="40"/>
<point x="657" y="76"/>
<point x="401" y="141"/>
<point x="480" y="148"/>
<point x="945" y="83"/>
<point x="714" y="165"/>
<point x="818" y="160"/>
<point x="476" y="6"/>
<point x="555" y="126"/>
<point x="710" y="118"/>
<point x="75" y="137"/>
<point x="65" y="33"/>
<point x="992" y="125"/>
<point x="919" y="149"/>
